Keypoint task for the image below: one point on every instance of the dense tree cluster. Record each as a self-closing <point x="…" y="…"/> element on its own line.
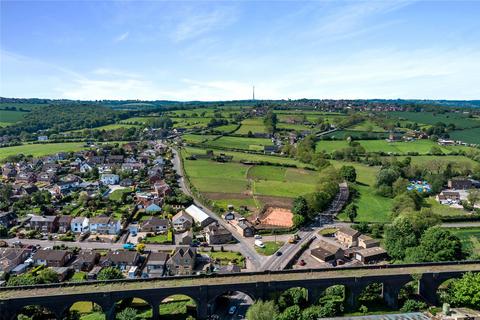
<point x="270" y="121"/>
<point x="61" y="118"/>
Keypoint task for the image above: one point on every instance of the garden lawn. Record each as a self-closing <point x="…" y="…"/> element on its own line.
<point x="226" y="257"/>
<point x="117" y="194"/>
<point x="41" y="149"/>
<point x="270" y="248"/>
<point x="159" y="238"/>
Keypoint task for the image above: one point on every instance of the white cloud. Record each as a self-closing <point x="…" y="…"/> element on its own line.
<point x="194" y="22"/>
<point x="121" y="37"/>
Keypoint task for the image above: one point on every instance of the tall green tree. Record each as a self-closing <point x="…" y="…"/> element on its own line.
<point x="348" y="173"/>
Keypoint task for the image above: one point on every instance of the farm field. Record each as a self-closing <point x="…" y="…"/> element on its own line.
<point x="420" y="146"/>
<point x="343" y="134"/>
<point x="251" y="125"/>
<point x="430" y="118"/>
<point x="330" y="146"/>
<point x="190" y="122"/>
<point x="226" y="128"/>
<point x="256" y="144"/>
<point x="295" y="127"/>
<point x="240" y="156"/>
<point x="247" y="185"/>
<point x="467" y="135"/>
<point x="39" y="150"/>
<point x="197" y="138"/>
<point x="11" y="116"/>
<point x="460" y="161"/>
<point x="143" y="120"/>
<point x="367" y="126"/>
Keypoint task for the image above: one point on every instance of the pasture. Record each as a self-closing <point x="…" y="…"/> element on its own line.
<point x="241" y="143"/>
<point x="467" y="135"/>
<point x="39" y="150"/>
<point x="10" y="116"/>
<point x="189" y="123"/>
<point x="430" y="118"/>
<point x="251" y="125"/>
<point x="368" y="126"/>
<point x="470" y="238"/>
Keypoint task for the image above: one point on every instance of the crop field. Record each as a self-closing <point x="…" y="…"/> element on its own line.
<point x="467" y="135"/>
<point x="256" y="144"/>
<point x="39" y="150"/>
<point x="251" y="125"/>
<point x="10" y="116"/>
<point x="430" y="118"/>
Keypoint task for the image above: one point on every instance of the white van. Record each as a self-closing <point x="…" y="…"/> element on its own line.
<point x="259" y="244"/>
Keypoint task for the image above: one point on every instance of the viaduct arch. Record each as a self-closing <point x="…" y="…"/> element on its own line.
<point x="58" y="298"/>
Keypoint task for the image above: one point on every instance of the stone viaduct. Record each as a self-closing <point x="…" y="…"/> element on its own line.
<point x="58" y="298"/>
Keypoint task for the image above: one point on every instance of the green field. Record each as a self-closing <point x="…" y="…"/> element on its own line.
<point x="371" y="207"/>
<point x="444" y="210"/>
<point x="420" y="146"/>
<point x="330" y="146"/>
<point x="467" y="135"/>
<point x="252" y="125"/>
<point x="367" y="125"/>
<point x="241" y="143"/>
<point x="189" y="123"/>
<point x="240" y="156"/>
<point x="430" y="118"/>
<point x="143" y="120"/>
<point x="9" y="116"/>
<point x="228" y="128"/>
<point x="39" y="150"/>
<point x="295" y="127"/>
<point x="470" y="238"/>
<point x="456" y="161"/>
<point x="197" y="138"/>
<point x="270" y="248"/>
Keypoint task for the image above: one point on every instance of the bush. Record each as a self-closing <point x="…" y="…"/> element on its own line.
<point x="413" y="305"/>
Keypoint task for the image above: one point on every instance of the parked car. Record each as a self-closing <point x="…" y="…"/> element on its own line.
<point x="302" y="262"/>
<point x="129" y="246"/>
<point x="232" y="310"/>
<point x="257" y="236"/>
<point x="259" y="244"/>
<point x="278" y="253"/>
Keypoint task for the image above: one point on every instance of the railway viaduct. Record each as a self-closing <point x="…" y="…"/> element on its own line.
<point x="58" y="298"/>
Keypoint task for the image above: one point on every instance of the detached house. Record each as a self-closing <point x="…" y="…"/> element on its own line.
<point x="155" y="266"/>
<point x="12" y="257"/>
<point x="104" y="225"/>
<point x="79" y="224"/>
<point x="347" y="236"/>
<point x="155" y="224"/>
<point x="51" y="258"/>
<point x="109" y="178"/>
<point x="86" y="260"/>
<point x="217" y="234"/>
<point x="182" y="261"/>
<point x="123" y="260"/>
<point x="181" y="221"/>
<point x="64" y="223"/>
<point x="44" y="223"/>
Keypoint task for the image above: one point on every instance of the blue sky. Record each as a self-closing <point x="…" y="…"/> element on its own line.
<point x="216" y="50"/>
